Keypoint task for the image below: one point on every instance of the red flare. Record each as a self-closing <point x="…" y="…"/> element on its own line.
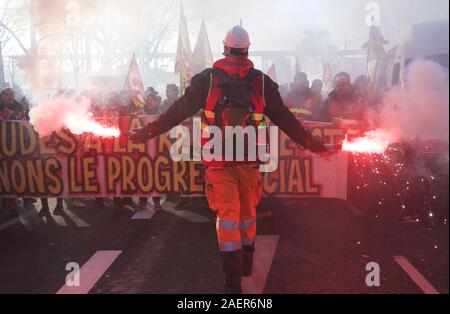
<point x="372" y="142"/>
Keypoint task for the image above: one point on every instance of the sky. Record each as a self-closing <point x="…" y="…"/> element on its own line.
<point x="279" y="24"/>
<point x="275" y="24"/>
<point x="271" y="24"/>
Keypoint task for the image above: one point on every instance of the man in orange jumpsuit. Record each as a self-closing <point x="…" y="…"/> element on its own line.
<point x="233" y="93"/>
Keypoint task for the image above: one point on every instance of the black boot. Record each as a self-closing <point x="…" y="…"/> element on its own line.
<point x="45" y="210"/>
<point x="232" y="267"/>
<point x="59" y="209"/>
<point x="248" y="259"/>
<point x="157" y="202"/>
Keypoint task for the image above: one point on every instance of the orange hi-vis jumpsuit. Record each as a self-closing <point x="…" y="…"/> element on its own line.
<point x="233" y="192"/>
<point x="233" y="189"/>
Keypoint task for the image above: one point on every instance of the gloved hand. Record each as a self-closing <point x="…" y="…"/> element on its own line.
<point x="140" y="135"/>
<point x="315" y="145"/>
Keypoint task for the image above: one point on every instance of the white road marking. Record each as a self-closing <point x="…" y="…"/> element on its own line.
<point x="91" y="272"/>
<point x="266" y="246"/>
<point x="21" y="218"/>
<point x="77" y="220"/>
<point x="9" y="223"/>
<point x="415" y="275"/>
<point x="186" y="214"/>
<point x="132" y="208"/>
<point x="144" y="214"/>
<point x="59" y="220"/>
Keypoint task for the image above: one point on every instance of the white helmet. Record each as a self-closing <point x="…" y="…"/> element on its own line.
<point x="237" y="37"/>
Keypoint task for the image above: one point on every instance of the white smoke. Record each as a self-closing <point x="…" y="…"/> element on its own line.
<point x="64" y="112"/>
<point x="420" y="109"/>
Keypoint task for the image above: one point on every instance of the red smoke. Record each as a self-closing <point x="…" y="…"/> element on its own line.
<point x="73" y="114"/>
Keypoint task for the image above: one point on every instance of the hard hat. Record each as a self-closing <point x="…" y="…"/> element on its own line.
<point x="237" y="37"/>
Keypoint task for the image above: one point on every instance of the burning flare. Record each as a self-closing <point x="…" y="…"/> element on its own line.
<point x="80" y="125"/>
<point x="373" y="142"/>
<point x="73" y="114"/>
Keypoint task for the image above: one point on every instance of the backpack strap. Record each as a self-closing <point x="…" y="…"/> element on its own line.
<point x="220" y="74"/>
<point x="252" y="75"/>
<point x="223" y="76"/>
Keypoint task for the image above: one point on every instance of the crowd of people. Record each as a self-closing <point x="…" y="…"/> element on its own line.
<point x="14" y="106"/>
<point x="348" y="102"/>
<point x="121" y="103"/>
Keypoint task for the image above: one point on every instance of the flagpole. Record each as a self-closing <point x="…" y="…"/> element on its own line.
<point x="367" y="61"/>
<point x="184" y="52"/>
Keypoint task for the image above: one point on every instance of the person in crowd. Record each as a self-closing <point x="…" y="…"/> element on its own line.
<point x="97" y="105"/>
<point x="126" y="103"/>
<point x="112" y="106"/>
<point x="300" y="99"/>
<point x="344" y="105"/>
<point x="10" y="108"/>
<point x="152" y="107"/>
<point x="316" y="87"/>
<point x="126" y="107"/>
<point x="45" y="210"/>
<point x="98" y="110"/>
<point x="364" y="88"/>
<point x="150" y="90"/>
<point x="152" y="103"/>
<point x="172" y="94"/>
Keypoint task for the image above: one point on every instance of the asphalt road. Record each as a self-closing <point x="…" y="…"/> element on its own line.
<point x="313" y="246"/>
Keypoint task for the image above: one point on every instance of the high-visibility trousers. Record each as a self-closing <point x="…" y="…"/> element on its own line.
<point x="233" y="192"/>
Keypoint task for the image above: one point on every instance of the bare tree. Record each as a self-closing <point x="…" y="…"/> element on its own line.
<point x="13" y="24"/>
<point x="12" y="65"/>
<point x="141" y="31"/>
<point x="109" y="31"/>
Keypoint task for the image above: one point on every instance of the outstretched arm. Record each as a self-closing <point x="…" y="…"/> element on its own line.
<point x="189" y="104"/>
<point x="281" y="116"/>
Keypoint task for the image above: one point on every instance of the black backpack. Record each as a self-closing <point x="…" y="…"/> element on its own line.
<point x="234" y="107"/>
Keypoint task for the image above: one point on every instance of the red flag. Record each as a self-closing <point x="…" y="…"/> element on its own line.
<point x="133" y="83"/>
<point x="184" y="53"/>
<point x="202" y="56"/>
<point x="272" y="72"/>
